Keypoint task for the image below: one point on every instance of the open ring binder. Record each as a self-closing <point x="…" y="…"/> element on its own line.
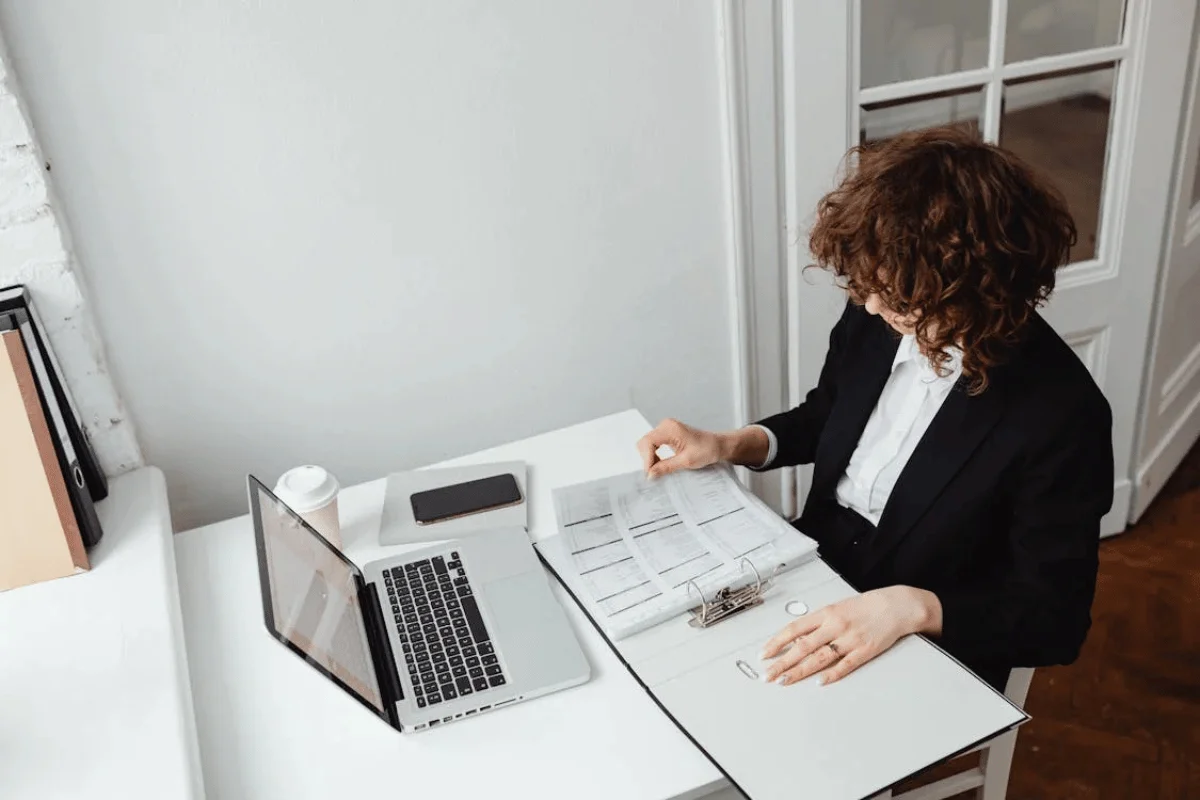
<point x="913" y="708"/>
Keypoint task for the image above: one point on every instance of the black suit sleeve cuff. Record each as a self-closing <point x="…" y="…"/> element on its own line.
<point x="772" y="449"/>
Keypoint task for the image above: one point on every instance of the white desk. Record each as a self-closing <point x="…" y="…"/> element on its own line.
<point x="94" y="694"/>
<point x="271" y="727"/>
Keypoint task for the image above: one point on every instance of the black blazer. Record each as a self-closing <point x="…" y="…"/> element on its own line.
<point x="997" y="511"/>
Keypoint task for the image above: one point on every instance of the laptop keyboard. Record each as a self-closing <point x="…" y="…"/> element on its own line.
<point x="446" y="645"/>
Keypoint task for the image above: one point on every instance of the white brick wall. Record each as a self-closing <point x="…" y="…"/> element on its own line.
<point x="35" y="250"/>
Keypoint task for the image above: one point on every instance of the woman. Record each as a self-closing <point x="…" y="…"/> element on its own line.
<point x="962" y="453"/>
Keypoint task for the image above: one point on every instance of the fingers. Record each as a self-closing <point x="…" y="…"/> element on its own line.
<point x="800" y="650"/>
<point x="792" y="631"/>
<point x="845" y="665"/>
<point x="673" y="434"/>
<point x="815" y="660"/>
<point x="666" y="466"/>
<point x="649" y="451"/>
<point x="814" y="653"/>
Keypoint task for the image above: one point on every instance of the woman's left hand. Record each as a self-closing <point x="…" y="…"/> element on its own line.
<point x="842" y="637"/>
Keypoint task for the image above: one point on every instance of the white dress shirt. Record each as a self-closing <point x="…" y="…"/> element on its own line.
<point x="910" y="399"/>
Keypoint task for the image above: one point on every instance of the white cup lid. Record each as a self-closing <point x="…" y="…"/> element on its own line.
<point x="306" y="488"/>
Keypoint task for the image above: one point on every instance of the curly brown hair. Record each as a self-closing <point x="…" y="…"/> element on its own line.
<point x="960" y="235"/>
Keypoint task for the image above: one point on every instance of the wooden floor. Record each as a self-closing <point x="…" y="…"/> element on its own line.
<point x="1124" y="721"/>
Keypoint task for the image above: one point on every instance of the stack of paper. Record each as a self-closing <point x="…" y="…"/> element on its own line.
<point x="638" y="551"/>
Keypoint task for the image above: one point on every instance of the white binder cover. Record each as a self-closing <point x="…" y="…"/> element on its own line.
<point x="912" y="707"/>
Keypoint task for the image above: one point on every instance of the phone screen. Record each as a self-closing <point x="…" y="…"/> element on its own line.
<point x="465" y="498"/>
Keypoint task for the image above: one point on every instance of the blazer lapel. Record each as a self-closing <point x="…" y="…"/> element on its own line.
<point x="955" y="432"/>
<point x="858" y="392"/>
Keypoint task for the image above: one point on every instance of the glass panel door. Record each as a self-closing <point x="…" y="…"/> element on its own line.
<point x="1039" y="28"/>
<point x="881" y="120"/>
<point x="1060" y="125"/>
<point x="910" y="39"/>
<point x="1088" y="93"/>
<point x="1040" y="77"/>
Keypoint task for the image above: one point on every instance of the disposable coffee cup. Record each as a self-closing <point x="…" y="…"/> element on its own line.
<point x="312" y="492"/>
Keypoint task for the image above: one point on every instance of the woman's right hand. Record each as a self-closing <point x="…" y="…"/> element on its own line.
<point x="694" y="448"/>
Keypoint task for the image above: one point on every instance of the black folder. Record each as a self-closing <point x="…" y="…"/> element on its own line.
<point x="18" y="298"/>
<point x="64" y="448"/>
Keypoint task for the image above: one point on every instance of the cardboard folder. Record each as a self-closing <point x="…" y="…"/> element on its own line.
<point x="39" y="535"/>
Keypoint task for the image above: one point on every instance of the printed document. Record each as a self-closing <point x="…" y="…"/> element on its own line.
<point x="648" y="550"/>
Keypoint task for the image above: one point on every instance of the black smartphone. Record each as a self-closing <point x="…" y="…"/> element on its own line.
<point x="461" y="499"/>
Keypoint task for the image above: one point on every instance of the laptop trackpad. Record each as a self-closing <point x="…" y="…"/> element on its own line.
<point x="532" y="633"/>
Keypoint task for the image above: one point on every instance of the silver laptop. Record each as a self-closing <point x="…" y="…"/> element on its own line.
<point x="432" y="636"/>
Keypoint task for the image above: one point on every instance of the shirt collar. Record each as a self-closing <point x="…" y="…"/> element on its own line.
<point x="909" y="351"/>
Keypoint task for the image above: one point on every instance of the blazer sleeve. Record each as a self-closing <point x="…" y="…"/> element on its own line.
<point x="1038" y="610"/>
<point x="798" y="430"/>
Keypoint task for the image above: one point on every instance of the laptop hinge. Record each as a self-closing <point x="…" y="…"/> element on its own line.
<point x="382" y="654"/>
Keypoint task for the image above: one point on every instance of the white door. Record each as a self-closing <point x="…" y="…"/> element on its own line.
<point x="1171" y="405"/>
<point x="1088" y="91"/>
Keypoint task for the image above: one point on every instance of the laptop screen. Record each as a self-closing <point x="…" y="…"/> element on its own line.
<point x="310" y="595"/>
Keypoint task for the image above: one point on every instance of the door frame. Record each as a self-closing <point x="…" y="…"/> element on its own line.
<point x="1182" y="230"/>
<point x="770" y="180"/>
<point x="747" y="42"/>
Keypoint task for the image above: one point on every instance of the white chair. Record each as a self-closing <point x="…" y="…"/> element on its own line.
<point x="990" y="778"/>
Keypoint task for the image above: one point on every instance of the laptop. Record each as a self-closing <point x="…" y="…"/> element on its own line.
<point x="427" y="637"/>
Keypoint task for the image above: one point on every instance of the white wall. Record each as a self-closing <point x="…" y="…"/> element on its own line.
<point x="35" y="250"/>
<point x="380" y="233"/>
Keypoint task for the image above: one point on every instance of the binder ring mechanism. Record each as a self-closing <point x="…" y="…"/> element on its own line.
<point x="728" y="601"/>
